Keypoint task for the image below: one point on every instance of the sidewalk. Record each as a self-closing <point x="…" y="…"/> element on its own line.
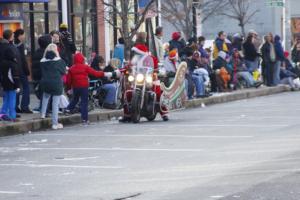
<point x="32" y="122"/>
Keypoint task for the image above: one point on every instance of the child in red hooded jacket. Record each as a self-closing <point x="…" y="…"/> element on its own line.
<point x="78" y="80"/>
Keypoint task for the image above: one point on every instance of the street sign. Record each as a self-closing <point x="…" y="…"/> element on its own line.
<point x="275" y="3"/>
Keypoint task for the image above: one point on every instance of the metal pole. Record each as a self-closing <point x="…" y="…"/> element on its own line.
<point x="286" y="25"/>
<point x="64" y="10"/>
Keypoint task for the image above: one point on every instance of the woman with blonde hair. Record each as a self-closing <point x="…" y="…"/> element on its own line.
<point x="53" y="68"/>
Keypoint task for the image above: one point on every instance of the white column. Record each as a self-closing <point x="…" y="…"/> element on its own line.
<point x="286" y="25"/>
<point x="159" y="12"/>
<point x="64" y="8"/>
<point x="107" y="39"/>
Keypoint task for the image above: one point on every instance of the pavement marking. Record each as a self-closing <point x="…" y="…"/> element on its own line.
<point x="202" y="177"/>
<point x="206" y="151"/>
<point x="143" y="135"/>
<point x="60" y="166"/>
<point x="10" y="192"/>
<point x="108" y="149"/>
<point x="77" y="159"/>
<point x="218" y="125"/>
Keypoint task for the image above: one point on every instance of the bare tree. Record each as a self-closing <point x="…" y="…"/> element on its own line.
<point x="241" y="11"/>
<point x="180" y="12"/>
<point x="123" y="12"/>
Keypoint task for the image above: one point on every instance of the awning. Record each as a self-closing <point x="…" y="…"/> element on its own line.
<point x="24" y="1"/>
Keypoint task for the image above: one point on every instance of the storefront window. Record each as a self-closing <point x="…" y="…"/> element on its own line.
<point x="84" y="25"/>
<point x="39" y="6"/>
<point x="53" y="5"/>
<point x="77" y="6"/>
<point x="53" y="22"/>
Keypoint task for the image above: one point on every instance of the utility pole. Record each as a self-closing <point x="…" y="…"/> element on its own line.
<point x="286" y="25"/>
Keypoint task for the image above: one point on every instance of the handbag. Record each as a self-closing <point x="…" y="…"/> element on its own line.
<point x="63" y="101"/>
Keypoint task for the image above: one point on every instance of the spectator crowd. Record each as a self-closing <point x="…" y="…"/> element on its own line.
<point x="58" y="71"/>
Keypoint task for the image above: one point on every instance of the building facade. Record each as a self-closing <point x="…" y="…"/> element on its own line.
<point x="38" y="17"/>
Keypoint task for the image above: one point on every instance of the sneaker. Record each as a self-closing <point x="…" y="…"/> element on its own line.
<point x="125" y="120"/>
<point x="57" y="126"/>
<point x="26" y="111"/>
<point x="18" y="110"/>
<point x="85" y="123"/>
<point x="43" y="116"/>
<point x="165" y="118"/>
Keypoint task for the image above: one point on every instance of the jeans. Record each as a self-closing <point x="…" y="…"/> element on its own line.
<point x="199" y="84"/>
<point x="9" y="104"/>
<point x="252" y="65"/>
<point x="55" y="104"/>
<point x="110" y="97"/>
<point x="289" y="81"/>
<point x="25" y="94"/>
<point x="189" y="86"/>
<point x="276" y="73"/>
<point x="269" y="67"/>
<point x="247" y="77"/>
<point x="83" y="95"/>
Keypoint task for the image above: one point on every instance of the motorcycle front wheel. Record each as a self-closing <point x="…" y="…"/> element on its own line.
<point x="136" y="107"/>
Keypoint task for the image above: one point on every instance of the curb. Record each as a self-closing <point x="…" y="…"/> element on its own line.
<point x="44" y="124"/>
<point x="238" y="95"/>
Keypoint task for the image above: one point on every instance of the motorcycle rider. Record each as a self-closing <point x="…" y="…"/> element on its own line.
<point x="140" y="50"/>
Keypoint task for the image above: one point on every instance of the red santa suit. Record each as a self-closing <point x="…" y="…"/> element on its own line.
<point x="140" y="51"/>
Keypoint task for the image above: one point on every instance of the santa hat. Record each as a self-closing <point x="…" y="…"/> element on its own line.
<point x="140" y="49"/>
<point x="176" y="35"/>
<point x="173" y="54"/>
<point x="286" y="54"/>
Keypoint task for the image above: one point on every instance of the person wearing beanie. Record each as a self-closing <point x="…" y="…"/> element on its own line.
<point x="78" y="81"/>
<point x="170" y="65"/>
<point x="279" y="59"/>
<point x="52" y="68"/>
<point x="176" y="43"/>
<point x="67" y="41"/>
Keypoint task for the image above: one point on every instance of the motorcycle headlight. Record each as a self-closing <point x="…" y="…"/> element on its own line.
<point x="149" y="79"/>
<point x="140" y="78"/>
<point x="130" y="78"/>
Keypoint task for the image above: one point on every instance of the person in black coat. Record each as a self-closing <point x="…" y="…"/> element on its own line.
<point x="10" y="83"/>
<point x="19" y="37"/>
<point x="251" y="55"/>
<point x="36" y="72"/>
<point x="268" y="60"/>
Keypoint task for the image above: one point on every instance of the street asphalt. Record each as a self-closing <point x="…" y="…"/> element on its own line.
<point x="243" y="150"/>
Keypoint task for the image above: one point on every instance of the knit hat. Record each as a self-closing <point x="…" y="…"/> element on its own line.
<point x="176" y="35"/>
<point x="140" y="49"/>
<point x="63" y="26"/>
<point x="173" y="54"/>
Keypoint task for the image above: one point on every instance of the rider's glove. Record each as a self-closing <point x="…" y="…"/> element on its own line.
<point x="108" y="74"/>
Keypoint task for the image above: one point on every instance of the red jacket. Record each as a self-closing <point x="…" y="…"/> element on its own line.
<point x="78" y="75"/>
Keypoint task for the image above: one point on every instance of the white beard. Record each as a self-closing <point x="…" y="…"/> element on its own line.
<point x="135" y="59"/>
